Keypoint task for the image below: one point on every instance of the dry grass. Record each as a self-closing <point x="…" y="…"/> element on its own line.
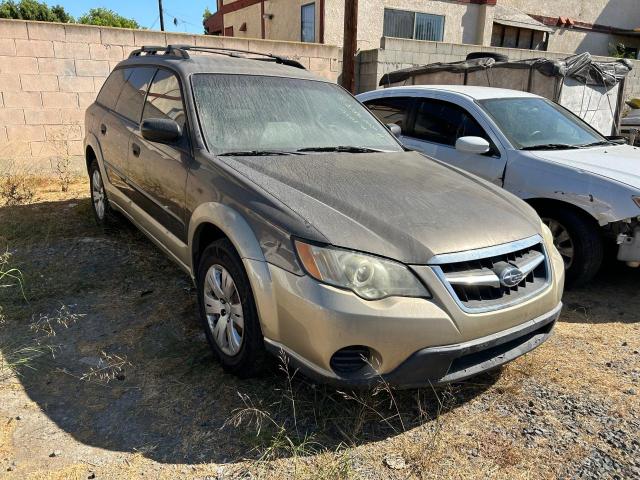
<point x="131" y="389"/>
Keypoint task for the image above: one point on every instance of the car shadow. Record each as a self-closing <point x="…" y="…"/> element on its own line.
<point x="612" y="296"/>
<point x="131" y="370"/>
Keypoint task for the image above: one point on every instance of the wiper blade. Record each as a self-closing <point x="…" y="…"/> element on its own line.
<point x="340" y="148"/>
<point x="551" y="146"/>
<point x="595" y="144"/>
<point x="255" y="153"/>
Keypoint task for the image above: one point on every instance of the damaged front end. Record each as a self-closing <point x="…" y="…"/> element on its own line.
<point x="628" y="239"/>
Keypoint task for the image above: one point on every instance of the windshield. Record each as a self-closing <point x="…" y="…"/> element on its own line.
<point x="531" y="123"/>
<point x="250" y="113"/>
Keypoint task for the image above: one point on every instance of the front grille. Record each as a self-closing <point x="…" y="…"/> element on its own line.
<point x="476" y="283"/>
<point x="350" y="359"/>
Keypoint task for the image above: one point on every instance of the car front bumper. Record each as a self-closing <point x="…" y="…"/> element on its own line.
<point x="445" y="364"/>
<point x="413" y="341"/>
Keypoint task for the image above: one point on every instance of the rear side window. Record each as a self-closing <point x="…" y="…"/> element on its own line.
<point x="443" y="122"/>
<point x="111" y="89"/>
<point x="135" y="87"/>
<point x="165" y="99"/>
<point x="391" y="110"/>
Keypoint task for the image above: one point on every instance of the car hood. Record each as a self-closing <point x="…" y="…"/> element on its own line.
<point x="400" y="205"/>
<point x="617" y="162"/>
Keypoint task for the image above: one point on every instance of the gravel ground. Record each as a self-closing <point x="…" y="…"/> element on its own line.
<point x="121" y="383"/>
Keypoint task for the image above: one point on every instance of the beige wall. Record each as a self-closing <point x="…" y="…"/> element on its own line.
<point x="50" y="73"/>
<point x="251" y="16"/>
<point x="464" y="22"/>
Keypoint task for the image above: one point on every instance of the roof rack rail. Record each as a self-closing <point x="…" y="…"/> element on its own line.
<point x="182" y="51"/>
<point x="154" y="50"/>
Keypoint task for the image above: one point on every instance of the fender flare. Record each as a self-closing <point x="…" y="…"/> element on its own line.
<point x="232" y="224"/>
<point x="92" y="141"/>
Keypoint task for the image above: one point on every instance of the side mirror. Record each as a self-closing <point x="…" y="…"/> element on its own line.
<point x="477" y="145"/>
<point x="162" y="130"/>
<point x="394" y="129"/>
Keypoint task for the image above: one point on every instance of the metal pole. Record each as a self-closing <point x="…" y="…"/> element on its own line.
<point x="161" y="15"/>
<point x="350" y="44"/>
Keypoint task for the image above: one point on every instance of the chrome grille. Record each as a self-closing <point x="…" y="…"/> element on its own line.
<point x="496" y="279"/>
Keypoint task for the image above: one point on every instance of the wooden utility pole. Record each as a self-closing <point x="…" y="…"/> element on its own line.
<point x="161" y="15"/>
<point x="350" y="44"/>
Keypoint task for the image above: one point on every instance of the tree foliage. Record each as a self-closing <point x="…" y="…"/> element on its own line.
<point x="33" y="10"/>
<point x="206" y="14"/>
<point x="107" y="18"/>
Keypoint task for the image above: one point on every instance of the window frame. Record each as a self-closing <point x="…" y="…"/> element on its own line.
<point x="302" y="8"/>
<point x="415" y="23"/>
<point x="519" y="30"/>
<point x="409" y="115"/>
<point x="132" y="67"/>
<point x="188" y="147"/>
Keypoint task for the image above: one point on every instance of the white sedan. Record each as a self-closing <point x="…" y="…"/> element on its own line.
<point x="585" y="186"/>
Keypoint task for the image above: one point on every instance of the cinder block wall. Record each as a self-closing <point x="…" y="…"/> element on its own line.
<point x="50" y="73"/>
<point x="396" y="53"/>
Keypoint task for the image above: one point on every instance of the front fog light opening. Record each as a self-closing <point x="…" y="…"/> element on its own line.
<point x="352" y="359"/>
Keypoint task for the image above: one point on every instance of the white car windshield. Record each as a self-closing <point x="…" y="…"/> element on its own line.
<point x="259" y="115"/>
<point x="538" y="124"/>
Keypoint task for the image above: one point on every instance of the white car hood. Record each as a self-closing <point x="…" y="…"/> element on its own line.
<point x="617" y="162"/>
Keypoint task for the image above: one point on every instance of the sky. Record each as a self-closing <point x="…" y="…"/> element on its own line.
<point x="145" y="12"/>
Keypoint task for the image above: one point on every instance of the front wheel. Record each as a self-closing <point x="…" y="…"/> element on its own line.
<point x="579" y="241"/>
<point x="228" y="310"/>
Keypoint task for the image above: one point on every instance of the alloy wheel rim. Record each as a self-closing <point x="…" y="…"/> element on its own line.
<point x="223" y="309"/>
<point x="97" y="192"/>
<point x="562" y="241"/>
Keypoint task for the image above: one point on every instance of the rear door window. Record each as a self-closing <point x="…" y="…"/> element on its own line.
<point x="135" y="87"/>
<point x="111" y="89"/>
<point x="391" y="110"/>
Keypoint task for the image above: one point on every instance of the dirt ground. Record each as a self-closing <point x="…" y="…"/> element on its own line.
<point x="105" y="373"/>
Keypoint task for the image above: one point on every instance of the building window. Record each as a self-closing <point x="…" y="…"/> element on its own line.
<point x="414" y="25"/>
<point x="513" y="37"/>
<point x="228" y="31"/>
<point x="308" y="23"/>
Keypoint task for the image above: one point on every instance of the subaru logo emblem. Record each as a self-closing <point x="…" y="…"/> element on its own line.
<point x="511" y="276"/>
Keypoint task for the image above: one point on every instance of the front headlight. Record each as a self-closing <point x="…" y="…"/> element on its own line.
<point x="368" y="276"/>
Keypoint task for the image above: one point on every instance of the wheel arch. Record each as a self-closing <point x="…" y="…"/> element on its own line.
<point x="551" y="203"/>
<point x="213" y="221"/>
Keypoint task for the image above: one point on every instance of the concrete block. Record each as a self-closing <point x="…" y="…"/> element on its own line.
<point x="86" y="99"/>
<point x="71" y="50"/>
<point x="444" y="48"/>
<point x="72" y="117"/>
<point x="57" y="66"/>
<point x="22" y="99"/>
<point x="180" y="39"/>
<point x="34" y="48"/>
<point x="18" y="65"/>
<point x="76" y="84"/>
<point x="42" y="116"/>
<point x="12" y="150"/>
<point x="13" y="29"/>
<point x="7" y="46"/>
<point x="143" y="37"/>
<point x="116" y="36"/>
<point x="10" y="82"/>
<point x="11" y="116"/>
<point x="39" y="83"/>
<point x="98" y="51"/>
<point x="63" y="132"/>
<point x="97" y="83"/>
<point x="46" y="31"/>
<point x="76" y="147"/>
<point x="3" y="137"/>
<point x="92" y="68"/>
<point x="25" y="133"/>
<point x="60" y="100"/>
<point x="336" y="65"/>
<point x="82" y="33"/>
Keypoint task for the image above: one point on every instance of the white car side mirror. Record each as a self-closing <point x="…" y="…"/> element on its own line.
<point x="477" y="145"/>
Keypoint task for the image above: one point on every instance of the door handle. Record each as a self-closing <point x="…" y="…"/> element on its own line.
<point x="103" y="129"/>
<point x="135" y="148"/>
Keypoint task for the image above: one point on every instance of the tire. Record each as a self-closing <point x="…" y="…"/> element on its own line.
<point x="498" y="57"/>
<point x="585" y="238"/>
<point x="247" y="360"/>
<point x="105" y="216"/>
